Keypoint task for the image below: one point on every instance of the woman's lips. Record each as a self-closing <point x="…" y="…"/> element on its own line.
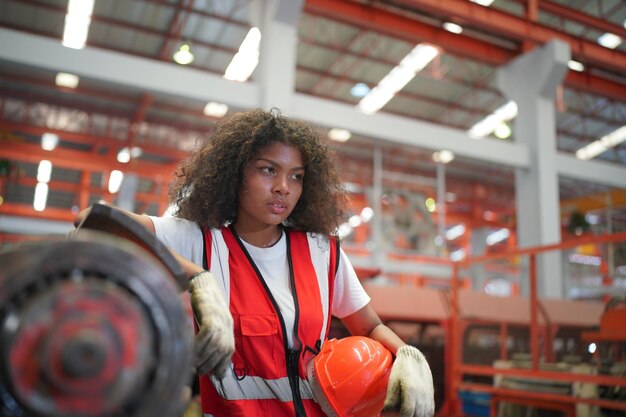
<point x="277" y="207"/>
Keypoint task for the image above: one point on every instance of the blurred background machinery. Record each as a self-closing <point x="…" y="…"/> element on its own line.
<point x="92" y="326"/>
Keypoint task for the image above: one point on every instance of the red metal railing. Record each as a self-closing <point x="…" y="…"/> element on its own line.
<point x="458" y="369"/>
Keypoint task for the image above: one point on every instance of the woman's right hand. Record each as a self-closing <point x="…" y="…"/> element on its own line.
<point x="214" y="343"/>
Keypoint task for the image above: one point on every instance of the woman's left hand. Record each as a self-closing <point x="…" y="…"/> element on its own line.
<point x="410" y="387"/>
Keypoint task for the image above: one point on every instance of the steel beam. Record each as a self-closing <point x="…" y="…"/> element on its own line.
<point x="404" y="131"/>
<point x="520" y="29"/>
<point x="600" y="172"/>
<point x="582" y="18"/>
<point x="82" y="161"/>
<point x="86" y="138"/>
<point x="403" y="27"/>
<point x="127" y="70"/>
<point x="11" y="210"/>
<point x="392" y="24"/>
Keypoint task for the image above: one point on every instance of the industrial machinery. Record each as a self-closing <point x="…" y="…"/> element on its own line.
<point x="93" y="326"/>
<point x="610" y="342"/>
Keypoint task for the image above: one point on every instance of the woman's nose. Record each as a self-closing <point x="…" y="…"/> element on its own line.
<point x="281" y="184"/>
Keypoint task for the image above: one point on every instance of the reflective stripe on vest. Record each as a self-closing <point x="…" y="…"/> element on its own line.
<point x="257" y="388"/>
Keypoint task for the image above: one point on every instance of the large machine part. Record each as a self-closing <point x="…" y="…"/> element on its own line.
<point x="114" y="221"/>
<point x="92" y="326"/>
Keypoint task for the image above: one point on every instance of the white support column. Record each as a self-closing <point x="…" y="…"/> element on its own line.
<point x="478" y="244"/>
<point x="277" y="61"/>
<point x="126" y="197"/>
<point x="377" y="222"/>
<point x="531" y="80"/>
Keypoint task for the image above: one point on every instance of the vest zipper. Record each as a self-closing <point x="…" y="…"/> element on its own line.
<point x="291" y="356"/>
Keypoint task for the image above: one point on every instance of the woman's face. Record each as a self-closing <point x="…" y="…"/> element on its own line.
<point x="272" y="186"/>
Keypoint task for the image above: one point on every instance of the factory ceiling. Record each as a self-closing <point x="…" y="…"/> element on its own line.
<point x="340" y="44"/>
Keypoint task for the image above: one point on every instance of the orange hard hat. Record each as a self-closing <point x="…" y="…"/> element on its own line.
<point x="349" y="377"/>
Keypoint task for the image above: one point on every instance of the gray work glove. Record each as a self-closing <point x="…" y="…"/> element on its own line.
<point x="410" y="387"/>
<point x="214" y="344"/>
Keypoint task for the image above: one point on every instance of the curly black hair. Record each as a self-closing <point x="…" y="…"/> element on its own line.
<point x="206" y="190"/>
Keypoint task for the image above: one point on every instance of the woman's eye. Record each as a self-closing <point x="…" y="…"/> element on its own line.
<point x="268" y="170"/>
<point x="297" y="177"/>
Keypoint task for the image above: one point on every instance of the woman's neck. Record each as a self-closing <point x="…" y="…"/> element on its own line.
<point x="263" y="238"/>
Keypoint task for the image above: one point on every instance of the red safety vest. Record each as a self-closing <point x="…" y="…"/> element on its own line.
<point x="266" y="377"/>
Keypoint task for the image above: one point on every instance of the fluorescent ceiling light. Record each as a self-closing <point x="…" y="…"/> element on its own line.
<point x="485" y="3"/>
<point x="183" y="56"/>
<point x="49" y="141"/>
<point x="214" y="109"/>
<point x="126" y="154"/>
<point x="497" y="236"/>
<point x="430" y="204"/>
<point x="597" y="147"/>
<point x="366" y="214"/>
<point x="123" y="156"/>
<point x="80" y="7"/>
<point x="575" y="66"/>
<point x="136" y="151"/>
<point x="443" y="156"/>
<point x="487" y="125"/>
<point x="115" y="181"/>
<point x="609" y="40"/>
<point x="63" y="79"/>
<point x="452" y="27"/>
<point x="245" y="61"/>
<point x="339" y="135"/>
<point x="359" y="90"/>
<point x="457" y="255"/>
<point x="77" y="22"/>
<point x="44" y="170"/>
<point x="455" y="231"/>
<point x="502" y="131"/>
<point x="355" y="220"/>
<point x="578" y="258"/>
<point x="344" y="230"/>
<point x="397" y="78"/>
<point x="41" y="196"/>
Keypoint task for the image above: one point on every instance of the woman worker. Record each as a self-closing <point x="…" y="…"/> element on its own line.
<point x="257" y="205"/>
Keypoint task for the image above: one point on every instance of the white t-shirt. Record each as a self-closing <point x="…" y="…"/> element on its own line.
<point x="185" y="238"/>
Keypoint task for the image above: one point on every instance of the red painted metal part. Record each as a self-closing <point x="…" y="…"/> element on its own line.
<point x="141" y="197"/>
<point x="77" y="320"/>
<point x="51" y="213"/>
<point x="612" y="327"/>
